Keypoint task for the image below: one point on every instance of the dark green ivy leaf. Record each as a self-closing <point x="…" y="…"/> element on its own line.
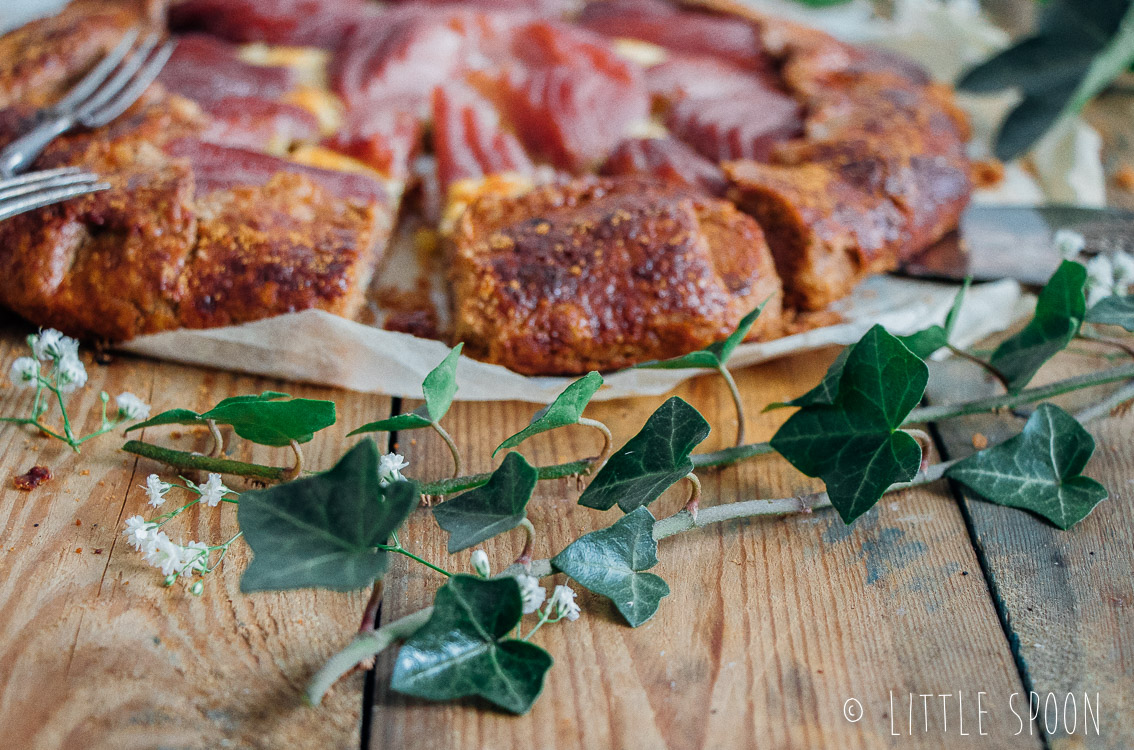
<point x="490" y="509"/>
<point x="463" y="649"/>
<point x="321" y="532"/>
<point x="1038" y="470"/>
<point x="173" y="416"/>
<point x="713" y="356"/>
<point x="439" y="387"/>
<point x="927" y="342"/>
<point x="566" y="409"/>
<point x="653" y="460"/>
<point x="1117" y="310"/>
<point x="828" y="388"/>
<point x="854" y="444"/>
<point x="1060" y="310"/>
<point x="609" y="562"/>
<point x="1078" y="49"/>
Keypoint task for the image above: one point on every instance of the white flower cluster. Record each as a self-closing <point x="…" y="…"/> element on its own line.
<point x="162" y="552"/>
<point x="156" y="489"/>
<point x="67" y="372"/>
<point x="1108" y="274"/>
<point x="390" y="469"/>
<point x="561" y="605"/>
<point x="211" y="492"/>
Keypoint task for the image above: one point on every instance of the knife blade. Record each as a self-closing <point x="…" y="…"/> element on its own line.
<point x="1018" y="242"/>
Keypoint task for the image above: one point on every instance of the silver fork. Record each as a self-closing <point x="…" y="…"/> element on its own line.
<point x="102" y="95"/>
<point x="37" y="189"/>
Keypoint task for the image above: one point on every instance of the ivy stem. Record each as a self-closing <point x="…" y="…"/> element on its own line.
<point x="470" y="481"/>
<point x="736" y="401"/>
<point x="694" y="495"/>
<point x="926" y="443"/>
<point x="370" y="612"/>
<point x="452" y="448"/>
<point x="218" y="439"/>
<point x="403" y="551"/>
<point x="199" y="462"/>
<point x="607" y="442"/>
<point x="1026" y="396"/>
<point x="293" y="473"/>
<point x="1117" y="344"/>
<point x="525" y="557"/>
<point x="363" y="646"/>
<point x="986" y="366"/>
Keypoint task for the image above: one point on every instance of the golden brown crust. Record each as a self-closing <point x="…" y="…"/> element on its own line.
<point x="599" y="274"/>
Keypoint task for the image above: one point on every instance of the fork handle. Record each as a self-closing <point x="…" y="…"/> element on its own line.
<point x="20" y="153"/>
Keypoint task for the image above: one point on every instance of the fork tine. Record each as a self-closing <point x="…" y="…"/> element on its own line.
<point x="109" y="89"/>
<point x="9" y="208"/>
<point x="129" y="94"/>
<point x="46" y="181"/>
<point x="7" y="182"/>
<point x="92" y="80"/>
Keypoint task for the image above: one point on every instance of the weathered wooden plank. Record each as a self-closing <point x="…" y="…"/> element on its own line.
<point x="1066" y="597"/>
<point x="771" y="626"/>
<point x="96" y="653"/>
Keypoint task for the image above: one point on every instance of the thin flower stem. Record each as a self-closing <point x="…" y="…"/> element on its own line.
<point x="452" y="448"/>
<point x="66" y="420"/>
<point x="403" y="551"/>
<point x="36" y="424"/>
<point x="167" y="517"/>
<point x="198" y="462"/>
<point x="736" y="400"/>
<point x="1116" y="343"/>
<point x="362" y="647"/>
<point x="544" y="618"/>
<point x="986" y="366"/>
<point x="607" y="441"/>
<point x="224" y="551"/>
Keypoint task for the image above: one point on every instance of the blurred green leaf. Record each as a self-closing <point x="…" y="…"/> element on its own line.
<point x="566" y="409"/>
<point x="713" y="356"/>
<point x="1117" y="310"/>
<point x="926" y="342"/>
<point x="439" y="387"/>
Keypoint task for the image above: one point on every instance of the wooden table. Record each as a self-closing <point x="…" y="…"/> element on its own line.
<point x="773" y="630"/>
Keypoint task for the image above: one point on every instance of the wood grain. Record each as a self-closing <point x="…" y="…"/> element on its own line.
<point x="1066" y="597"/>
<point x="771" y="625"/>
<point x="95" y="653"/>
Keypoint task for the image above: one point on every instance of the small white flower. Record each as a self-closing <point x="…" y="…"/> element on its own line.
<point x="53" y="345"/>
<point x="563" y="603"/>
<point x="70" y="374"/>
<point x="390" y="468"/>
<point x="212" y="491"/>
<point x="531" y="592"/>
<point x="131" y="407"/>
<point x="480" y="563"/>
<point x="1069" y="243"/>
<point x="1100" y="279"/>
<point x="140" y="532"/>
<point x="194" y="557"/>
<point x="24" y="372"/>
<point x="1123" y="270"/>
<point x="156" y="489"/>
<point x="164" y="554"/>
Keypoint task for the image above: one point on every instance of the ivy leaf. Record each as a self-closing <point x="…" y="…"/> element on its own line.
<point x="274" y="422"/>
<point x="1038" y="470"/>
<point x="439" y="387"/>
<point x="1079" y="48"/>
<point x="491" y="509"/>
<point x="321" y="532"/>
<point x="462" y="650"/>
<point x="828" y="388"/>
<point x="715" y="355"/>
<point x="173" y="416"/>
<point x="566" y="409"/>
<point x="854" y="444"/>
<point x="652" y="461"/>
<point x="609" y="562"/>
<point x="1060" y="310"/>
<point x="927" y="342"/>
<point x="1117" y="310"/>
<point x="261" y="418"/>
